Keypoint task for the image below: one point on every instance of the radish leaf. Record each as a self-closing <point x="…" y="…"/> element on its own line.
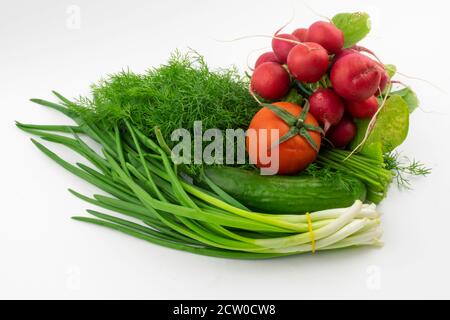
<point x="355" y="26"/>
<point x="410" y="98"/>
<point x="389" y="131"/>
<point x="391" y="69"/>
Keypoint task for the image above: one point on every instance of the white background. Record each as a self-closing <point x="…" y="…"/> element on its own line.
<point x="44" y="254"/>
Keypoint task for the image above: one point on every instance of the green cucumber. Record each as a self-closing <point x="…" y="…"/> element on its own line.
<point x="287" y="195"/>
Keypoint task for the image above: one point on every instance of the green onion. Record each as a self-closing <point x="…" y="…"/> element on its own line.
<point x="372" y="172"/>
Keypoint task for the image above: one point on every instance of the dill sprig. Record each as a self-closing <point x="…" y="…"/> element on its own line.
<point x="404" y="168"/>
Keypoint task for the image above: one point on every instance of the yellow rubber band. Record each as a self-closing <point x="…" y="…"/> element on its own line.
<point x="311" y="233"/>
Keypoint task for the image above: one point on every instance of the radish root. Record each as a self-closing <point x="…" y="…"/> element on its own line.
<point x="371" y="124"/>
<point x="262" y="36"/>
<point x="254" y="95"/>
<point x="315" y="12"/>
<point x="287" y="23"/>
<point x="250" y="54"/>
<point x="364" y="49"/>
<point x="423" y="80"/>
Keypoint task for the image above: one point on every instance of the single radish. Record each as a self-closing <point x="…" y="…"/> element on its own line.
<point x="327" y="107"/>
<point x="327" y="35"/>
<point x="343" y="53"/>
<point x="281" y="48"/>
<point x="363" y="109"/>
<point x="355" y="77"/>
<point x="271" y="81"/>
<point x="385" y="78"/>
<point x="343" y="133"/>
<point x="384" y="74"/>
<point x="308" y="62"/>
<point x="266" y="57"/>
<point x="301" y="34"/>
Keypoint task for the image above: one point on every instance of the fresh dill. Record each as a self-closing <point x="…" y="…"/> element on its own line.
<point x="404" y="168"/>
<point x="327" y="175"/>
<point x="173" y="96"/>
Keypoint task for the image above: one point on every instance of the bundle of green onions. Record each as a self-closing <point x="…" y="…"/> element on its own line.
<point x="157" y="203"/>
<point x="372" y="172"/>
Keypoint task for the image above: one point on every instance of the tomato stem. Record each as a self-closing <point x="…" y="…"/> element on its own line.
<point x="297" y="125"/>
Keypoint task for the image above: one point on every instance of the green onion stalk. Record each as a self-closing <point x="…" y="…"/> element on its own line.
<point x="153" y="201"/>
<point x="372" y="172"/>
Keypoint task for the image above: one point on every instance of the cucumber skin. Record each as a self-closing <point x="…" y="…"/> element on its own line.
<point x="286" y="195"/>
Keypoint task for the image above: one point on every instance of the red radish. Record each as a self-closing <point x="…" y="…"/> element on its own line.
<point x="384" y="74"/>
<point x="355" y="50"/>
<point x="343" y="133"/>
<point x="327" y="35"/>
<point x="266" y="57"/>
<point x="271" y="81"/>
<point x="282" y="48"/>
<point x="308" y="62"/>
<point x="363" y="109"/>
<point x="301" y="34"/>
<point x="327" y="107"/>
<point x="343" y="53"/>
<point x="355" y="77"/>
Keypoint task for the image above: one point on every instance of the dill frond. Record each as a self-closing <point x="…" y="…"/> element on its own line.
<point x="404" y="168"/>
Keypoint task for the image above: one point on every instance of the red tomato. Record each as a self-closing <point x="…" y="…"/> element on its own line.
<point x="296" y="153"/>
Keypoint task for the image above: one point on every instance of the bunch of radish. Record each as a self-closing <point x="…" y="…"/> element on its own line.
<point x="346" y="82"/>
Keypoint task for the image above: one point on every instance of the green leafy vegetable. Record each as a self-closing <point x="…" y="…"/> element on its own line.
<point x="410" y="98"/>
<point x="391" y="69"/>
<point x="390" y="130"/>
<point x="355" y="26"/>
<point x="375" y="150"/>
